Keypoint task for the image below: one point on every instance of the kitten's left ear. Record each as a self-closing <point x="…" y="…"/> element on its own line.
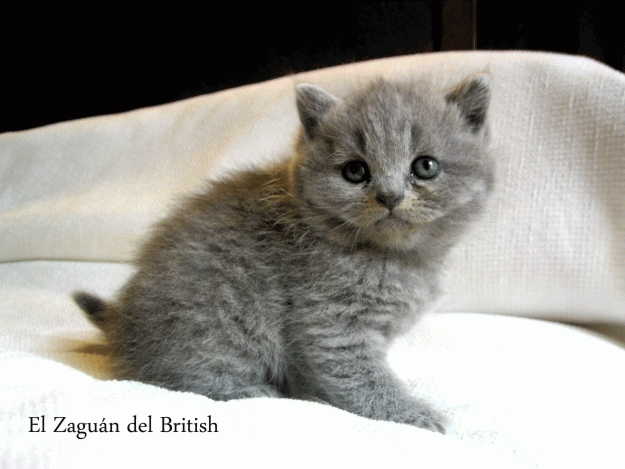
<point x="312" y="104"/>
<point x="473" y="97"/>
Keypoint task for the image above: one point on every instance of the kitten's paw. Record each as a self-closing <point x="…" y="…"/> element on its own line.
<point x="426" y="418"/>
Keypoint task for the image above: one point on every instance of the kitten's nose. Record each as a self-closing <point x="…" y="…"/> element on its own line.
<point x="389" y="201"/>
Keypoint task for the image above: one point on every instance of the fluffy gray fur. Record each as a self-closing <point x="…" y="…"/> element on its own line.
<point x="293" y="280"/>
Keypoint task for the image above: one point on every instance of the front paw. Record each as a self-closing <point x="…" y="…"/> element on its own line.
<point x="423" y="417"/>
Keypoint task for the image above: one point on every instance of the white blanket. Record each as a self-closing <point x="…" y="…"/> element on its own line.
<point x="76" y="197"/>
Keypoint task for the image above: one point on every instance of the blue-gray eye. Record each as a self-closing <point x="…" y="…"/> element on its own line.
<point x="426" y="167"/>
<point x="356" y="172"/>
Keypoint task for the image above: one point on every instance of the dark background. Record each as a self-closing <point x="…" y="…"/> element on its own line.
<point x="66" y="64"/>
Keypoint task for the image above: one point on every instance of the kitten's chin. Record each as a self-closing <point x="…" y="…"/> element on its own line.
<point x="392" y="232"/>
<point x="389" y="231"/>
<point x="394" y="222"/>
<point x="394" y="239"/>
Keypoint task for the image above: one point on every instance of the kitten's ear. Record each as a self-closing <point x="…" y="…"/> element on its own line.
<point x="312" y="104"/>
<point x="473" y="97"/>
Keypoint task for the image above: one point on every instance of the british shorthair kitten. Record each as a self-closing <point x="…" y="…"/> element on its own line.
<point x="292" y="280"/>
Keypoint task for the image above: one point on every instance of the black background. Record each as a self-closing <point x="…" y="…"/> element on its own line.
<point x="61" y="64"/>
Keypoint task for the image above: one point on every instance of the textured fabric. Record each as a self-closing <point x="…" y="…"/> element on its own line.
<point x="76" y="197"/>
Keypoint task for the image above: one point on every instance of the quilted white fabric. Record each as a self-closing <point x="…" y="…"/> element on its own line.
<point x="76" y="197"/>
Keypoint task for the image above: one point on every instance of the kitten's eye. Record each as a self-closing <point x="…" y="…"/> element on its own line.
<point x="356" y="172"/>
<point x="426" y="167"/>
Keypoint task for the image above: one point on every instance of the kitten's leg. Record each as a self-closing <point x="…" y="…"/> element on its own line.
<point x="355" y="377"/>
<point x="209" y="381"/>
<point x="222" y="375"/>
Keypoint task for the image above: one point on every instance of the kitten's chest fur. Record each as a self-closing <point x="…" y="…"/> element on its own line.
<point x="359" y="292"/>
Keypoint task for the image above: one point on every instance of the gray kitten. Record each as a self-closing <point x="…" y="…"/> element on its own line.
<point x="293" y="280"/>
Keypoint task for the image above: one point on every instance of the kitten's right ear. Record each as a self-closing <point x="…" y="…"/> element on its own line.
<point x="312" y="104"/>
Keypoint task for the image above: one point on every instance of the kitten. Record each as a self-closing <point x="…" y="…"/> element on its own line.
<point x="292" y="280"/>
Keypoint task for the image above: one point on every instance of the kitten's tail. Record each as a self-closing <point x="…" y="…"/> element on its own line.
<point x="94" y="306"/>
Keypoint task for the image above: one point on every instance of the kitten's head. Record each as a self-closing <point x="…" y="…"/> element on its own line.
<point x="395" y="165"/>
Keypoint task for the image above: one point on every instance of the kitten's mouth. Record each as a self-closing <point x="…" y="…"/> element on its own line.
<point x="393" y="220"/>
